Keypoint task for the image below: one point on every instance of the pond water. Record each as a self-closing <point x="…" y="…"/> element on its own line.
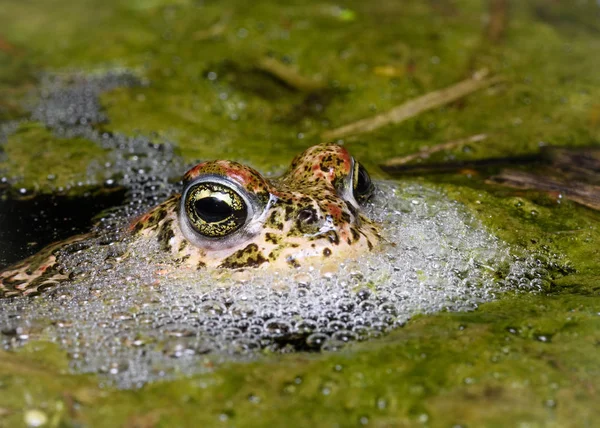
<point x="480" y="307"/>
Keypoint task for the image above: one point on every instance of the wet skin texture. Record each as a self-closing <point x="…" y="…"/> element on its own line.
<point x="230" y="217"/>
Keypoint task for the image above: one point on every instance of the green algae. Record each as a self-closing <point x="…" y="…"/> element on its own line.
<point x="549" y="95"/>
<point x="36" y="159"/>
<point x="526" y="359"/>
<point x="552" y="227"/>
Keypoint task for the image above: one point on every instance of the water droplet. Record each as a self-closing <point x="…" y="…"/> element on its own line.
<point x="423" y="418"/>
<point x="316" y="340"/>
<point x="332" y="345"/>
<point x="363" y="294"/>
<point x="344" y="336"/>
<point x="545" y="338"/>
<point x="277" y="327"/>
<point x="306" y="326"/>
<point x="35" y="418"/>
<point x="254" y="399"/>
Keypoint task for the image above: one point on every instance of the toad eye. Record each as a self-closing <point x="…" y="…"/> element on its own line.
<point x="215" y="210"/>
<point x="362" y="186"/>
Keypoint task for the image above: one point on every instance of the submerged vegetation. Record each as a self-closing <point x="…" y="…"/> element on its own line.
<point x="259" y="82"/>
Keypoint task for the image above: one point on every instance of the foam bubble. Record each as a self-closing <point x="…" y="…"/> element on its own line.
<point x="132" y="316"/>
<point x="69" y="105"/>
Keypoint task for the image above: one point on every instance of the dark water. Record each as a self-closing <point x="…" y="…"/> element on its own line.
<point x="27" y="225"/>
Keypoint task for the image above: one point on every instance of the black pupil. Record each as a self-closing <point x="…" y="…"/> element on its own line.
<point x="212" y="210"/>
<point x="363" y="184"/>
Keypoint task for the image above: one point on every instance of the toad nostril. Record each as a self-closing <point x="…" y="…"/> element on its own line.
<point x="307" y="215"/>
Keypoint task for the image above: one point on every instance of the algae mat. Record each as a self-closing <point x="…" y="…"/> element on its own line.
<point x="187" y="80"/>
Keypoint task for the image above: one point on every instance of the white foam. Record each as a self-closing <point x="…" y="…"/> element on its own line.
<point x="132" y="316"/>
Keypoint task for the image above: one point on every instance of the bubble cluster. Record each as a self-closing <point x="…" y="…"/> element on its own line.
<point x="73" y="99"/>
<point x="7" y="129"/>
<point x="133" y="316"/>
<point x="69" y="105"/>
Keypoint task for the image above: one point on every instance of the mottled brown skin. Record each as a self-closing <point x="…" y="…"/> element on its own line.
<point x="305" y="217"/>
<point x="38" y="272"/>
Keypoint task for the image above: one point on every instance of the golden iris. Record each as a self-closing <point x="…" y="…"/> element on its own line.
<point x="215" y="210"/>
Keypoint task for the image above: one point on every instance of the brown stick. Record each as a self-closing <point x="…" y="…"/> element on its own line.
<point x="453" y="167"/>
<point x="213" y="31"/>
<point x="498" y="22"/>
<point x="582" y="193"/>
<point x="413" y="107"/>
<point x="288" y="75"/>
<point x="425" y="152"/>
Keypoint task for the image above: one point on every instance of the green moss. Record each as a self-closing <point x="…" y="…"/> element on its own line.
<point x="549" y="95"/>
<point x="563" y="232"/>
<point x="526" y="359"/>
<point x="35" y="158"/>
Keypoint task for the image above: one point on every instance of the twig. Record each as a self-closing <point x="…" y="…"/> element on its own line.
<point x="583" y="161"/>
<point x="582" y="193"/>
<point x="452" y="167"/>
<point x="288" y="75"/>
<point x="498" y="22"/>
<point x="213" y="31"/>
<point x="414" y="107"/>
<point x="425" y="152"/>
